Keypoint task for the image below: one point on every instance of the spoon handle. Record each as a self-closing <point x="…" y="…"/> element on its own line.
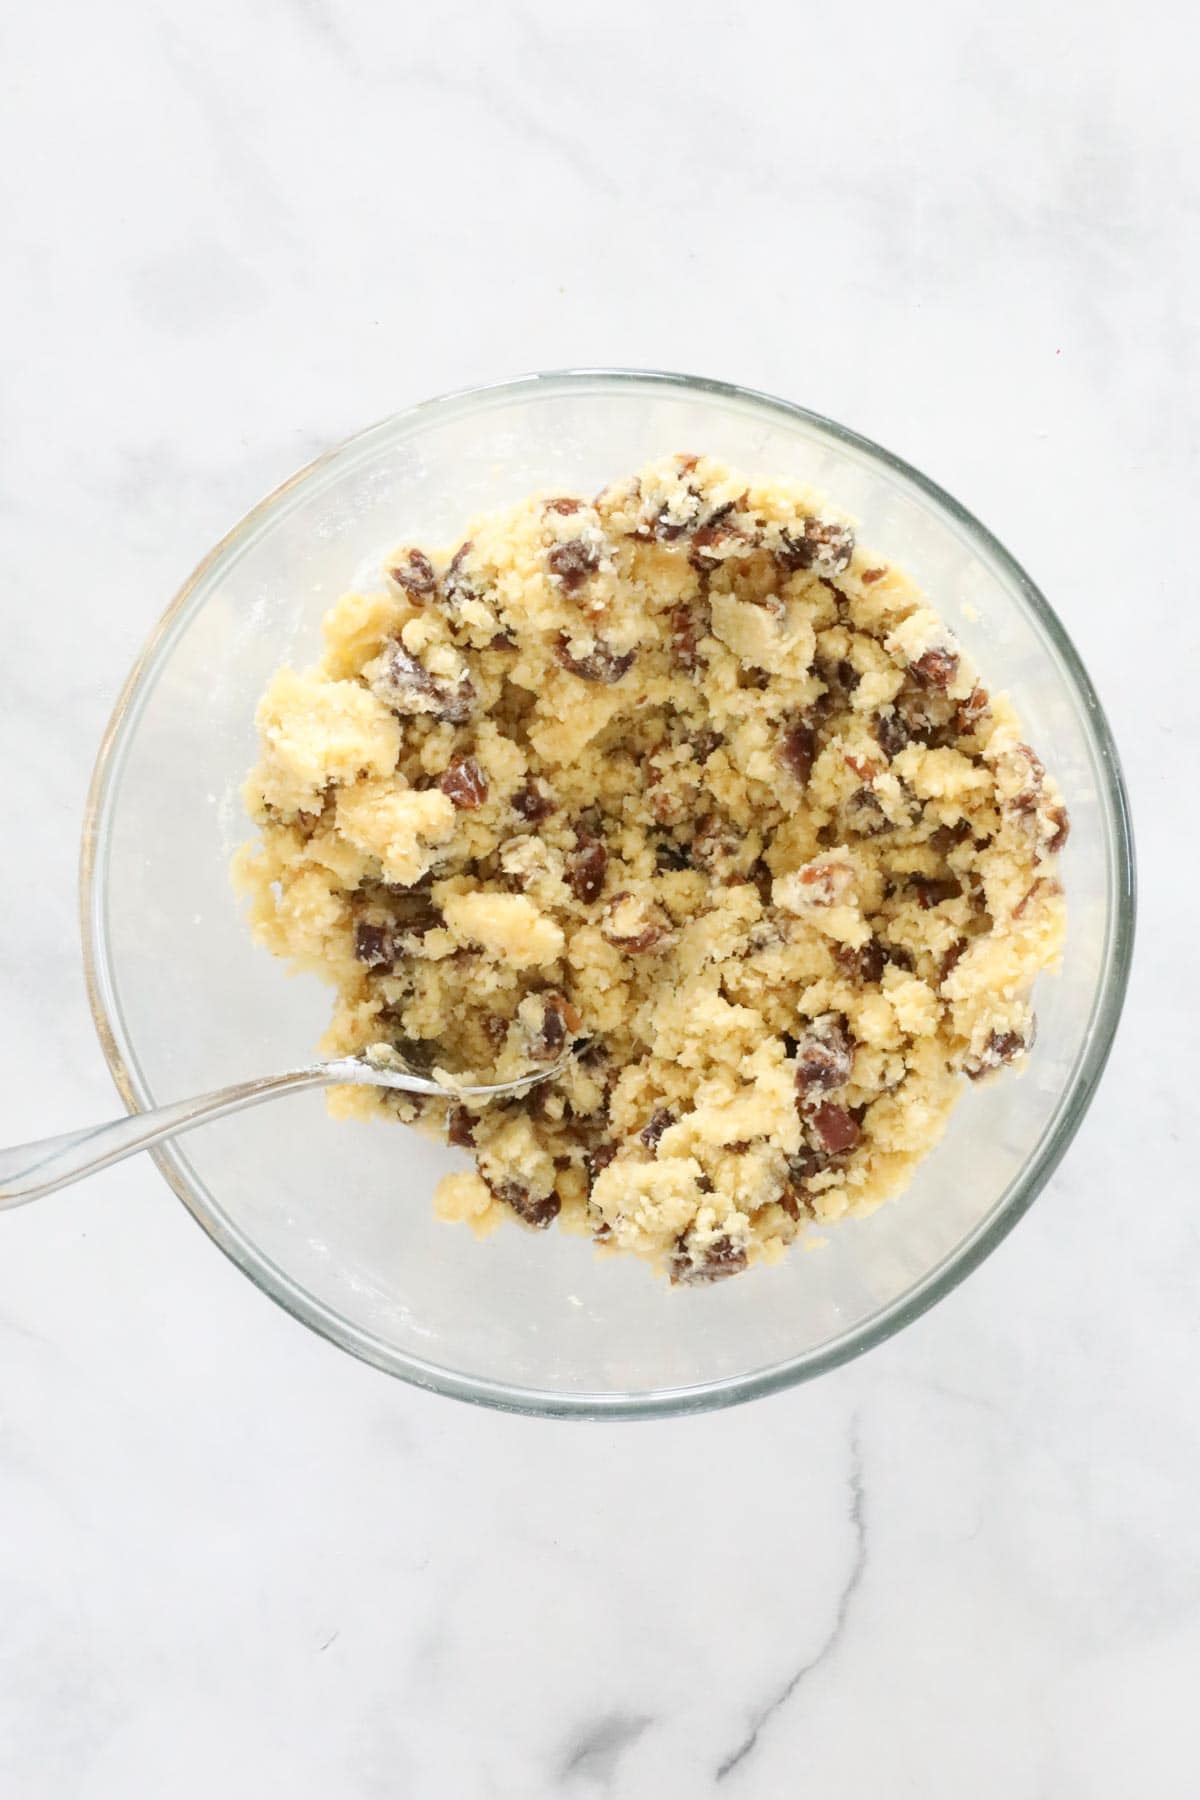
<point x="28" y="1171"/>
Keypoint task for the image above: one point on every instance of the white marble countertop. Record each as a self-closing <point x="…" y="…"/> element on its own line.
<point x="235" y="1562"/>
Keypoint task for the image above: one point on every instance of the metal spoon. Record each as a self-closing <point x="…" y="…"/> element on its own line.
<point x="29" y="1170"/>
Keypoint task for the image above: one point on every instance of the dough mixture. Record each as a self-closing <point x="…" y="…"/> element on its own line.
<point x="684" y="771"/>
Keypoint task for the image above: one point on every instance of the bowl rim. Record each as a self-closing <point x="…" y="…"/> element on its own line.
<point x="966" y="1256"/>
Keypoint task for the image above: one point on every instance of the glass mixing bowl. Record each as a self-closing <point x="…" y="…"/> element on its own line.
<point x="334" y="1220"/>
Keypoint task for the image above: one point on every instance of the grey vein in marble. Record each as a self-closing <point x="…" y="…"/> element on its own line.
<point x="858" y="1564"/>
<point x="598" y="1748"/>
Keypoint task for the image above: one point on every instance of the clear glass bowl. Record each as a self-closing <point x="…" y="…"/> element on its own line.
<point x="334" y="1220"/>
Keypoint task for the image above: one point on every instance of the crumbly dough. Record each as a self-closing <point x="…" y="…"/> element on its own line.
<point x="684" y="771"/>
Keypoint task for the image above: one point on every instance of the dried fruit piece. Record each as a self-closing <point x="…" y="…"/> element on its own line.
<point x="834" y="1128"/>
<point x="714" y="532"/>
<point x="718" y="1260"/>
<point x="822" y="882"/>
<point x="951" y="960"/>
<point x="719" y="848"/>
<point x="970" y="711"/>
<point x="547" y="1021"/>
<point x="660" y="1121"/>
<point x="797" y="749"/>
<point x="890" y="732"/>
<point x="459" y="587"/>
<point x="670" y="857"/>
<point x="601" y="663"/>
<point x="936" y="668"/>
<point x="460" y="1128"/>
<point x="824" y="1056"/>
<point x="862" y="815"/>
<point x="373" y="944"/>
<point x="598" y="1158"/>
<point x="823" y="545"/>
<point x="407" y="687"/>
<point x="537" y="1213"/>
<point x="534" y="801"/>
<point x="948" y="837"/>
<point x="931" y="890"/>
<point x="1001" y="1047"/>
<point x="1062" y="829"/>
<point x="634" y="925"/>
<point x="871" y="575"/>
<point x="864" y="963"/>
<point x="465" y="783"/>
<point x="687" y="625"/>
<point x="585" y="868"/>
<point x="414" y="572"/>
<point x="572" y="562"/>
<point x="566" y="506"/>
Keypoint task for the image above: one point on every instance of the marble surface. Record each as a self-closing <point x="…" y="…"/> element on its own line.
<point x="232" y="1560"/>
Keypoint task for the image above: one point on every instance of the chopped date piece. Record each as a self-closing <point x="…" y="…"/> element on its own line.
<point x="865" y="963"/>
<point x="863" y="814"/>
<point x="834" y="1127"/>
<point x="797" y="749"/>
<point x="668" y="528"/>
<point x="462" y="586"/>
<point x="601" y="663"/>
<point x="634" y="926"/>
<point x="565" y="506"/>
<point x="946" y="837"/>
<point x="537" y="1213"/>
<point x="936" y="669"/>
<point x="1001" y="1047"/>
<point x="414" y="914"/>
<point x="951" y="960"/>
<point x="890" y="732"/>
<point x="414" y="572"/>
<point x="670" y="857"/>
<point x="872" y="575"/>
<point x="572" y="563"/>
<point x="719" y="1260"/>
<point x="931" y="890"/>
<point x="534" y="801"/>
<point x="1029" y="798"/>
<point x="714" y="532"/>
<point x="661" y="1121"/>
<point x="968" y="712"/>
<point x="716" y="847"/>
<point x="824" y="1057"/>
<point x="465" y="783"/>
<point x="1062" y="830"/>
<point x="585" y="869"/>
<point x="820" y="544"/>
<point x="408" y="687"/>
<point x="460" y="1128"/>
<point x="373" y="944"/>
<point x="687" y="625"/>
<point x="795" y="1204"/>
<point x="598" y="1158"/>
<point x="495" y="1029"/>
<point x="558" y="1021"/>
<point x="825" y="883"/>
<point x="1039" y="887"/>
<point x="807" y="1162"/>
